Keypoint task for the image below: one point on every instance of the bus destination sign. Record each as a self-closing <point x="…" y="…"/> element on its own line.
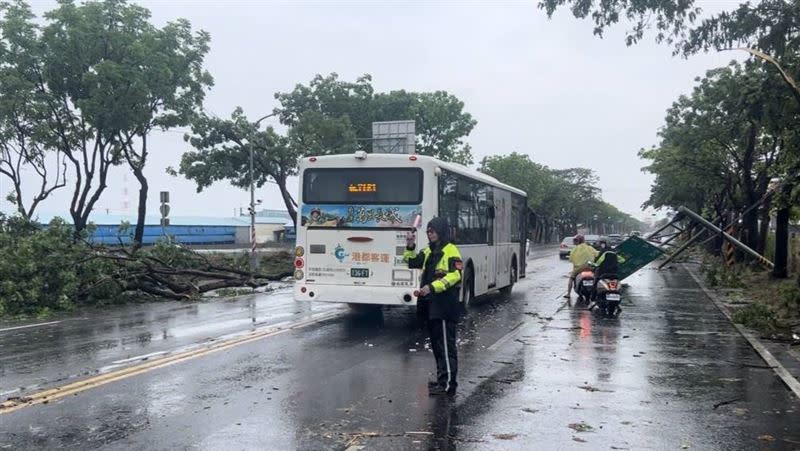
<point x="362" y="187"/>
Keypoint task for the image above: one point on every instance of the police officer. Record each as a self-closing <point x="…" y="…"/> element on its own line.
<point x="439" y="296"/>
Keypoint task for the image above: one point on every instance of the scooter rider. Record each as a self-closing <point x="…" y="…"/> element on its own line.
<point x="579" y="257"/>
<point x="440" y="287"/>
<point x="606" y="265"/>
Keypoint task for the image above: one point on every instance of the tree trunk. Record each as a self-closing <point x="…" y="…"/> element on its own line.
<point x="79" y="223"/>
<point x="750" y="220"/>
<point x="138" y="234"/>
<point x="750" y="229"/>
<point x="781" y="244"/>
<point x="763" y="231"/>
<point x="287" y="198"/>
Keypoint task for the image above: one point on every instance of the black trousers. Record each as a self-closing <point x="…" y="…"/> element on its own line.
<point x="443" y="342"/>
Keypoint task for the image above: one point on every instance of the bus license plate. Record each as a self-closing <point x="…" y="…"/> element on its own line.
<point x="587" y="283"/>
<point x="359" y="272"/>
<point x="612" y="297"/>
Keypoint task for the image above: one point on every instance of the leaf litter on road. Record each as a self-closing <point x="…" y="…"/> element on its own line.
<point x="581" y="427"/>
<point x="505" y="436"/>
<point x="590" y="388"/>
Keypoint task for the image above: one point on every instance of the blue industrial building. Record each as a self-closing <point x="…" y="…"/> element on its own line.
<point x="271" y="225"/>
<point x="118" y="229"/>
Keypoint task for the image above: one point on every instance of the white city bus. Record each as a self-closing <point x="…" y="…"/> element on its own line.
<point x="354" y="212"/>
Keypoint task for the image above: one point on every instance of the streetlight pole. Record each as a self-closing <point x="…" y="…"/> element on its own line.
<point x="253" y="258"/>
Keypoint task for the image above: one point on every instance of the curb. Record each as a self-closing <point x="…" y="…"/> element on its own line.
<point x="790" y="381"/>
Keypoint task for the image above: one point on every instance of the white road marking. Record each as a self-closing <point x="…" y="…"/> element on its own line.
<point x="505" y="338"/>
<point x="29" y="326"/>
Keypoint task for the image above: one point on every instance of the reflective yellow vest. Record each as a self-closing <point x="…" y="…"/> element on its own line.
<point x="447" y="271"/>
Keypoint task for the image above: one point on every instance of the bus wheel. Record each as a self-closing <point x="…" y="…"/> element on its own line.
<point x="468" y="288"/>
<point x="506" y="290"/>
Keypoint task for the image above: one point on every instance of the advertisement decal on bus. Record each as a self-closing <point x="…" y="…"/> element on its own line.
<point x="371" y="216"/>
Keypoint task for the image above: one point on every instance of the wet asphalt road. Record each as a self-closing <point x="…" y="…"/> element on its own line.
<point x="669" y="373"/>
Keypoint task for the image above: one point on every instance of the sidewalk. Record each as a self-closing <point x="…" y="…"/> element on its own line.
<point x="783" y="358"/>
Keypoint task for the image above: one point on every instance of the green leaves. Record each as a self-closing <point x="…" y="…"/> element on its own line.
<point x="328" y="115"/>
<point x="669" y="18"/>
<point x="768" y="25"/>
<point x="569" y="196"/>
<point x="223" y="148"/>
<point x="88" y="84"/>
<point x="42" y="269"/>
<point x="723" y="143"/>
<point x="223" y="152"/>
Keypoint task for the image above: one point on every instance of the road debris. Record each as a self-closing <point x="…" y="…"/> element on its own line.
<point x="581" y="427"/>
<point x="725" y="403"/>
<point x="505" y="436"/>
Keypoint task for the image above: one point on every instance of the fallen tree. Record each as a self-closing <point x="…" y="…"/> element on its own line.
<point x="45" y="269"/>
<point x="183" y="276"/>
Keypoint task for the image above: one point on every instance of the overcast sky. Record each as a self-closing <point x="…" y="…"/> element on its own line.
<point x="548" y="88"/>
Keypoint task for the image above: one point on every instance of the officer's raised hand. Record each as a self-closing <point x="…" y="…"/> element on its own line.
<point x="411" y="240"/>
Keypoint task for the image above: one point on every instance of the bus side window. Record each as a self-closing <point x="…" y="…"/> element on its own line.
<point x="448" y="202"/>
<point x="466" y="204"/>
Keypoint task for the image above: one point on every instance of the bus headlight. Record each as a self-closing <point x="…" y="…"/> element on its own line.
<point x="299" y="251"/>
<point x="298" y="274"/>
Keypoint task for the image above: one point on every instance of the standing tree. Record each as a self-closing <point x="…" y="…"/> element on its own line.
<point x="223" y="153"/>
<point x="89" y="87"/>
<point x="324" y="118"/>
<point x="24" y="112"/>
<point x="563" y="197"/>
<point x="117" y="78"/>
<point x="439" y="116"/>
<point x="768" y="29"/>
<point x="730" y="130"/>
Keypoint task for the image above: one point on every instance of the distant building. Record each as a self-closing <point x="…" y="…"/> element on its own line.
<point x="119" y="229"/>
<point x="272" y="225"/>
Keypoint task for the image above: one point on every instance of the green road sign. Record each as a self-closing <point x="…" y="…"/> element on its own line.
<point x="637" y="253"/>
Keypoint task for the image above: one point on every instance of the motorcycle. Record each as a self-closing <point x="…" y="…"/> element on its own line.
<point x="607" y="294"/>
<point x="583" y="284"/>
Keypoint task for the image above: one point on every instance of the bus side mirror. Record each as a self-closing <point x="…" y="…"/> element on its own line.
<point x="490" y="212"/>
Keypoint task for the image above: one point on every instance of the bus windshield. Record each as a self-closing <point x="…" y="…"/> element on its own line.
<point x="372" y="186"/>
